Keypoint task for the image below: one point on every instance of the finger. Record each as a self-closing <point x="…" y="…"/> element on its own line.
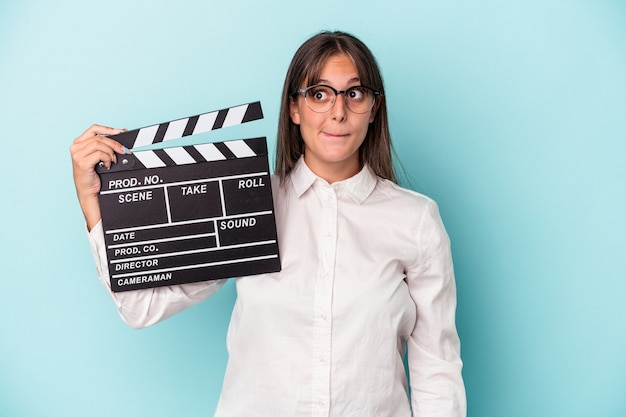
<point x="89" y="162"/>
<point x="111" y="143"/>
<point x="87" y="154"/>
<point x="81" y="147"/>
<point x="96" y="129"/>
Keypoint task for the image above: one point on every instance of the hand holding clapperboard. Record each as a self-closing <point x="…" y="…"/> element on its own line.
<point x="193" y="213"/>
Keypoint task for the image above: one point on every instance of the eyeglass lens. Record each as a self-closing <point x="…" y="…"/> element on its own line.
<point x="322" y="98"/>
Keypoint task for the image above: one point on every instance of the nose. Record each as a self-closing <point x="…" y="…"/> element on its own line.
<point x="339" y="109"/>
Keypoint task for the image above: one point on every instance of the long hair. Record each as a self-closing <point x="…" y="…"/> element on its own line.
<point x="305" y="69"/>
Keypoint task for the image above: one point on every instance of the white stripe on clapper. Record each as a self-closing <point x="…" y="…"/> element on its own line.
<point x="149" y="159"/>
<point x="209" y="152"/>
<point x="240" y="148"/>
<point x="145" y="136"/>
<point x="180" y="156"/>
<point x="235" y="115"/>
<point x="175" y="129"/>
<point x="205" y="122"/>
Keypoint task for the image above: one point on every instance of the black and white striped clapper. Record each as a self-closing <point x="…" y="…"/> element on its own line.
<point x="192" y="213"/>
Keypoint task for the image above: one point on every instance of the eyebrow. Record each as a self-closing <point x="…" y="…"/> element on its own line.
<point x="350" y="81"/>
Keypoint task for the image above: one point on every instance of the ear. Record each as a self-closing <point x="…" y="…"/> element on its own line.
<point x="294" y="111"/>
<point x="374" y="110"/>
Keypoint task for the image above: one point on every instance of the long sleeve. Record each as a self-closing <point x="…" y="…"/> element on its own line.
<point x="142" y="308"/>
<point x="435" y="365"/>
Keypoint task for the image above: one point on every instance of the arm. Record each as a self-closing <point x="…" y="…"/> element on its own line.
<point x="434" y="355"/>
<point x="143" y="308"/>
<point x="138" y="308"/>
<point x="87" y="150"/>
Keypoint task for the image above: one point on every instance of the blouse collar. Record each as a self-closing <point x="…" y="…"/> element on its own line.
<point x="359" y="186"/>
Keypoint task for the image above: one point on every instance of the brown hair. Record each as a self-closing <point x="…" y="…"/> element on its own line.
<point x="305" y="67"/>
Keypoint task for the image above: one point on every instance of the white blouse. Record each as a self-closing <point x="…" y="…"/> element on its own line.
<point x="366" y="277"/>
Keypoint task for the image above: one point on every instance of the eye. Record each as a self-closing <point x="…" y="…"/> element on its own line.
<point x="320" y="94"/>
<point x="356" y="93"/>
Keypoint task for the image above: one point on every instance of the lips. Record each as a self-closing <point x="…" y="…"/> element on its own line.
<point x="335" y="135"/>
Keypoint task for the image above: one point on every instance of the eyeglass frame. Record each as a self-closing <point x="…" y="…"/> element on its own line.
<point x="304" y="91"/>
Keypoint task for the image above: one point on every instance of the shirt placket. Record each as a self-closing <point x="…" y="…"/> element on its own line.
<point x="322" y="346"/>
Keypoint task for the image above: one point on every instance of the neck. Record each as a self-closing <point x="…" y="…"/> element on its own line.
<point x="334" y="171"/>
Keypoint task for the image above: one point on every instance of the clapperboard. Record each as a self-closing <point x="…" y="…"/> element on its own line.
<point x="191" y="213"/>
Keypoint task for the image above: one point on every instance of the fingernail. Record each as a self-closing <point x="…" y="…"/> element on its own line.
<point x="126" y="150"/>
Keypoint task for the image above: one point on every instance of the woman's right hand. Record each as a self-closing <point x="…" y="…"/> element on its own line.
<point x="88" y="150"/>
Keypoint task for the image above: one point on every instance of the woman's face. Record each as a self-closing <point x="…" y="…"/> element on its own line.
<point x="332" y="139"/>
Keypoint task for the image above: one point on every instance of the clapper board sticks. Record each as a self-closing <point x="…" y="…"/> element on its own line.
<point x="192" y="213"/>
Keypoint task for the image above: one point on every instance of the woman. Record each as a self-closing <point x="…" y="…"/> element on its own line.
<point x="366" y="273"/>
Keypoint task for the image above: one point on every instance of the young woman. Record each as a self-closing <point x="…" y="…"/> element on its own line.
<point x="366" y="275"/>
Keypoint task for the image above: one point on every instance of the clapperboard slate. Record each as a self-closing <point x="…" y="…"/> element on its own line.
<point x="187" y="214"/>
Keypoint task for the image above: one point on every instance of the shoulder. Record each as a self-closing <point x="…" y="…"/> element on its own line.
<point x="279" y="186"/>
<point x="419" y="213"/>
<point x="275" y="181"/>
<point x="404" y="197"/>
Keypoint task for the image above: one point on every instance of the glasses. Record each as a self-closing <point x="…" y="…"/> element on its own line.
<point x="321" y="98"/>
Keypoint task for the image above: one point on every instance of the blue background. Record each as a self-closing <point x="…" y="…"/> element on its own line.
<point x="512" y="115"/>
